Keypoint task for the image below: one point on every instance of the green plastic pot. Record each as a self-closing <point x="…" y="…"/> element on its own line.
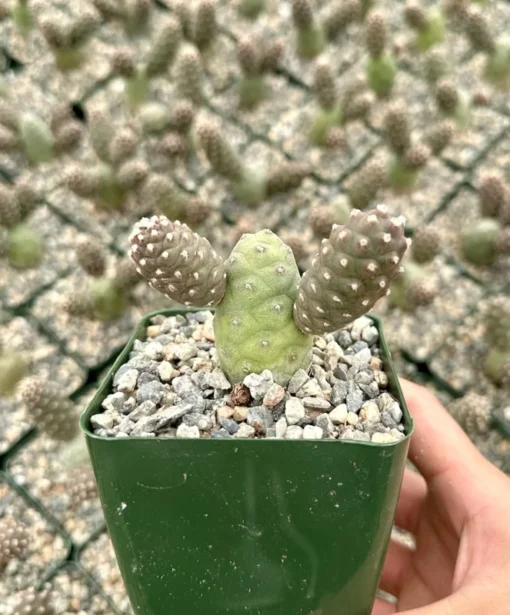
<point x="248" y="527"/>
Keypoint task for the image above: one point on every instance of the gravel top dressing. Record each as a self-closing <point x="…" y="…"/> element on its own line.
<point x="172" y="387"/>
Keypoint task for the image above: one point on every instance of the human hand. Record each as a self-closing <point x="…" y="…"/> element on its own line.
<point x="459" y="512"/>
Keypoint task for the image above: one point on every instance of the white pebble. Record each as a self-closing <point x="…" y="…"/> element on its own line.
<point x="311" y="432"/>
<point x="185" y="431"/>
<point x="294" y="411"/>
<point x="294" y="432"/>
<point x="339" y="414"/>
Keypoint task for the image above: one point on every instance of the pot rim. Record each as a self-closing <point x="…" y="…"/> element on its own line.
<point x="106" y="384"/>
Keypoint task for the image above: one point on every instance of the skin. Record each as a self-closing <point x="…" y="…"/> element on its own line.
<point x="458" y="509"/>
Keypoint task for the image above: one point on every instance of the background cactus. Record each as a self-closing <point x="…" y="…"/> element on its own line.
<point x="119" y="173"/>
<point x="13" y="368"/>
<point x="134" y="15"/>
<point x="20" y="13"/>
<point x="250" y="187"/>
<point x="256" y="58"/>
<point x="453" y="103"/>
<point x="52" y="413"/>
<point x="380" y="68"/>
<point x="22" y="245"/>
<point x="336" y="110"/>
<point x="310" y="37"/>
<point x="189" y="75"/>
<point x="14" y="540"/>
<point x="473" y="412"/>
<point x="415" y="287"/>
<point x="497" y="361"/>
<point x="408" y="157"/>
<point x="67" y="37"/>
<point x="340" y="15"/>
<point x="429" y="25"/>
<point x="198" y="22"/>
<point x="29" y="133"/>
<point x="105" y="297"/>
<point x="158" y="61"/>
<point x="265" y="316"/>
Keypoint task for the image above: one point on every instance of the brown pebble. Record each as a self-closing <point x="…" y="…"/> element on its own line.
<point x="240" y="395"/>
<point x="224" y="412"/>
<point x="376" y="363"/>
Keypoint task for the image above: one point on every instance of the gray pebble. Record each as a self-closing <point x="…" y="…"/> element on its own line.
<point x="341" y="371"/>
<point x="271" y="432"/>
<point x="259" y="384"/>
<point x="344" y="339"/>
<point x="358" y="347"/>
<point x="152" y="391"/>
<point x="359" y="325"/>
<point x="196" y="419"/>
<point x="114" y="402"/>
<point x="101" y="421"/>
<point x="354" y="400"/>
<point x="311" y="432"/>
<point x="183" y="385"/>
<point x="297" y="381"/>
<point x="126" y="425"/>
<point x="316" y="403"/>
<point x="185" y="431"/>
<point x="370" y="414"/>
<point x="217" y="380"/>
<point x="370" y="335"/>
<point x="220" y="434"/>
<point x="127" y="382"/>
<point x="310" y="389"/>
<point x="245" y="431"/>
<point x="387" y="419"/>
<point x="231" y="426"/>
<point x="371" y="390"/>
<point x="147" y="408"/>
<point x="294" y="432"/>
<point x="364" y="377"/>
<point x="294" y="411"/>
<point x="325" y="423"/>
<point x="154" y="350"/>
<point x="185" y="351"/>
<point x="338" y="393"/>
<point x="353" y="434"/>
<point x="146" y="377"/>
<point x="260" y="418"/>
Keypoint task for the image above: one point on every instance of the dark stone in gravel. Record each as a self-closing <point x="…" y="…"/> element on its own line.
<point x="341" y="371"/>
<point x="221" y="434"/>
<point x="358" y="347"/>
<point x="231" y="426"/>
<point x="344" y="339"/>
<point x="260" y="418"/>
<point x="371" y="390"/>
<point x="339" y="393"/>
<point x="354" y="400"/>
<point x="151" y="391"/>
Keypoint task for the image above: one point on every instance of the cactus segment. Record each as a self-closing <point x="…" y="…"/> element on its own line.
<point x="253" y="324"/>
<point x="26" y="248"/>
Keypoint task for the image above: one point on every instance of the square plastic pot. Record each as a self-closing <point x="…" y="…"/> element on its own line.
<point x="248" y="527"/>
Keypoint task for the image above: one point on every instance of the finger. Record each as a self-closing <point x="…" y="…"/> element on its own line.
<point x="396" y="568"/>
<point x="382" y="607"/>
<point x="412" y="496"/>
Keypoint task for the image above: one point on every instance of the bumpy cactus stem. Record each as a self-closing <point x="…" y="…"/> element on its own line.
<point x="256" y="58"/>
<point x="341" y="14"/>
<point x="251" y="9"/>
<point x="310" y="35"/>
<point x="265" y="316"/>
<point x="380" y="69"/>
<point x="429" y="26"/>
<point x="190" y="76"/>
<point x="453" y="103"/>
<point x="484" y="241"/>
<point x="198" y="23"/>
<point x="20" y="13"/>
<point x="367" y="183"/>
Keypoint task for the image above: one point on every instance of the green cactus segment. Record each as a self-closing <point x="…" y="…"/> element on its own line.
<point x="252" y="90"/>
<point x="433" y="34"/>
<point x="253" y="324"/>
<point x="54" y="414"/>
<point x="177" y="262"/>
<point x="37" y="138"/>
<point x="497" y="68"/>
<point x="311" y="38"/>
<point x="381" y="74"/>
<point x="22" y="17"/>
<point x="136" y="89"/>
<point x="251" y="9"/>
<point x="400" y="177"/>
<point x="497" y="365"/>
<point x="352" y="271"/>
<point x="13" y="368"/>
<point x="108" y="301"/>
<point x="26" y="248"/>
<point x="413" y="288"/>
<point x="497" y="362"/>
<point x="479" y="242"/>
<point x="322" y="124"/>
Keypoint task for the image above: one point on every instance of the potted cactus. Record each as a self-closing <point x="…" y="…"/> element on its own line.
<point x="268" y="441"/>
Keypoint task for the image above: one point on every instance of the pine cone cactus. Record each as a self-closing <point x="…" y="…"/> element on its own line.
<point x="497" y="361"/>
<point x="380" y="69"/>
<point x="134" y="15"/>
<point x="177" y="262"/>
<point x="54" y="414"/>
<point x="265" y="316"/>
<point x="256" y="57"/>
<point x="190" y="76"/>
<point x="340" y="16"/>
<point x="426" y="244"/>
<point x="367" y="183"/>
<point x="91" y="257"/>
<point x="429" y="25"/>
<point x="440" y="136"/>
<point x="14" y="540"/>
<point x="494" y="195"/>
<point x="352" y="271"/>
<point x="453" y="103"/>
<point x="473" y="412"/>
<point x="310" y="35"/>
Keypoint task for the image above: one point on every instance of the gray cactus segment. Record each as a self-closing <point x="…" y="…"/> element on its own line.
<point x="352" y="271"/>
<point x="178" y="262"/>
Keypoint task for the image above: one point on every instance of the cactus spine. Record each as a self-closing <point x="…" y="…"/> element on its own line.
<point x="265" y="315"/>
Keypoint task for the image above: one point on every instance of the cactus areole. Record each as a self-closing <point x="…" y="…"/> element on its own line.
<point x="266" y="315"/>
